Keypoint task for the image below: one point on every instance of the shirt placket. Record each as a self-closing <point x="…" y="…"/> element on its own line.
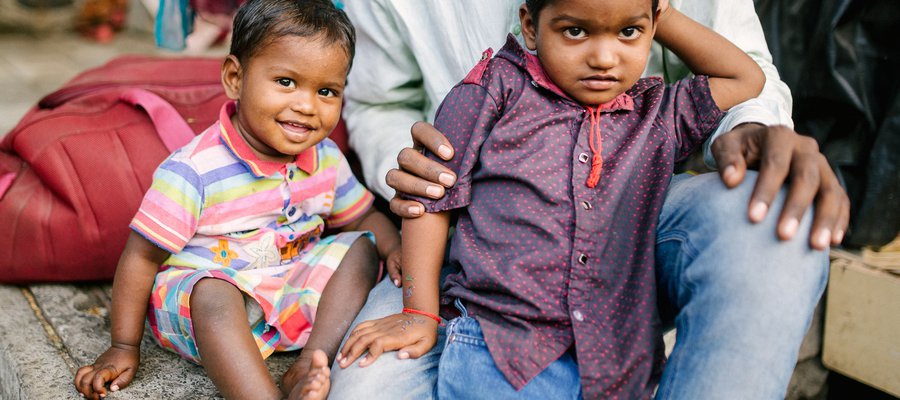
<point x="289" y="208"/>
<point x="584" y="248"/>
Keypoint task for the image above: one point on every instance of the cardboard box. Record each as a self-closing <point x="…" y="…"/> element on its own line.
<point x="862" y="324"/>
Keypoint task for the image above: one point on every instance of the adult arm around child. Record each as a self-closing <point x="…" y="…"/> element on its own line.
<point x="776" y="151"/>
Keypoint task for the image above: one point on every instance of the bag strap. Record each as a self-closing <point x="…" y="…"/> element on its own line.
<point x="170" y="126"/>
<point x="6" y="180"/>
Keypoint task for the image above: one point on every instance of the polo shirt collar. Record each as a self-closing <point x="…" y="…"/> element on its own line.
<point x="305" y="161"/>
<point x="529" y="62"/>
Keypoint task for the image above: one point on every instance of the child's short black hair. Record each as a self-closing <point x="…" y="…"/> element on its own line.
<point x="535" y="7"/>
<point x="259" y="22"/>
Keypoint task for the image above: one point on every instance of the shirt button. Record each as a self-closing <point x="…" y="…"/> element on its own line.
<point x="583" y="158"/>
<point x="583" y="259"/>
<point x="586" y="205"/>
<point x="292" y="211"/>
<point x="534" y="83"/>
<point x="578" y="315"/>
<point x="291" y="175"/>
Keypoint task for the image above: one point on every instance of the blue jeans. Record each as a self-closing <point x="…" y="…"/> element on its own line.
<point x="467" y="370"/>
<point x="740" y="299"/>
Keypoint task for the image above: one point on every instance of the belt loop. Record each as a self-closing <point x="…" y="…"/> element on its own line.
<point x="461" y="307"/>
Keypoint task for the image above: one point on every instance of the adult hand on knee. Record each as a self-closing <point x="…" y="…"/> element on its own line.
<point x="417" y="174"/>
<point x="781" y="154"/>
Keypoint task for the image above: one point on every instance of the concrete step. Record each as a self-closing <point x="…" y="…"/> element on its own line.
<point x="48" y="331"/>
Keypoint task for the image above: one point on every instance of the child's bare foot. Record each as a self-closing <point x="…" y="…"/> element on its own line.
<point x="308" y="378"/>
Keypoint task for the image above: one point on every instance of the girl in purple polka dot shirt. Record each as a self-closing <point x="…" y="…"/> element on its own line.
<point x="566" y="157"/>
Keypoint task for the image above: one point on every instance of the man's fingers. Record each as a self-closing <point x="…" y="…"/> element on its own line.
<point x="404" y="182"/>
<point x="832" y="210"/>
<point x="844" y="218"/>
<point x="778" y="151"/>
<point x="805" y="182"/>
<point x="407" y="208"/>
<point x="423" y="168"/>
<point x="425" y="135"/>
<point x="729" y="152"/>
<point x="774" y="166"/>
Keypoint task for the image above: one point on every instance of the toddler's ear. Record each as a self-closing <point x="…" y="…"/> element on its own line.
<point x="231" y="77"/>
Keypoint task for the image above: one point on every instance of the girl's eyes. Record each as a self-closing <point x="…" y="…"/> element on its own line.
<point x="327" y="92"/>
<point x="631" y="32"/>
<point x="286" y="82"/>
<point x="574" y="33"/>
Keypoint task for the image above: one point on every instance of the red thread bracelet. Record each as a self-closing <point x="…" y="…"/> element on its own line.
<point x="423" y="313"/>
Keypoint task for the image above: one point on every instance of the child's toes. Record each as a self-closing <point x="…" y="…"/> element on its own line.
<point x="318" y="380"/>
<point x="319" y="360"/>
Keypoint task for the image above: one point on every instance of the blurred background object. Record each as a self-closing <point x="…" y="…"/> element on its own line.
<point x="840" y="59"/>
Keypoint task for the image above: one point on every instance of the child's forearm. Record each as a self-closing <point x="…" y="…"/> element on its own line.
<point x="387" y="238"/>
<point x="133" y="282"/>
<point x="734" y="76"/>
<point x="424" y="241"/>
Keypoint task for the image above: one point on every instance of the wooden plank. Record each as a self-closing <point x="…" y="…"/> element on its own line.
<point x="862" y="324"/>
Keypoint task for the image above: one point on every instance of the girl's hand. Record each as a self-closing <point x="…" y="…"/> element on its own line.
<point x="117" y="365"/>
<point x="411" y="335"/>
<point x="393" y="266"/>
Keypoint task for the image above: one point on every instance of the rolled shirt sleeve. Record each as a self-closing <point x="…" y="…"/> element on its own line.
<point x="737" y="21"/>
<point x="170" y="211"/>
<point x="466" y="117"/>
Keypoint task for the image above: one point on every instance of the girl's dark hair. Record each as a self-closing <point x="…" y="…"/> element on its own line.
<point x="536" y="6"/>
<point x="259" y="22"/>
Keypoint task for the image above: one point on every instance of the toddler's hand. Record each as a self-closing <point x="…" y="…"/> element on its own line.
<point x="117" y="365"/>
<point x="411" y="335"/>
<point x="393" y="266"/>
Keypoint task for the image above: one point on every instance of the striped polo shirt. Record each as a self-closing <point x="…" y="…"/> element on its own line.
<point x="214" y="203"/>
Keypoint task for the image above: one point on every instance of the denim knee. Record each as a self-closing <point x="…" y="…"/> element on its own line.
<point x="705" y="236"/>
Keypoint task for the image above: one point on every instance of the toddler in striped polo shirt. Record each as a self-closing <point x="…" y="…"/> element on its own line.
<point x="227" y="261"/>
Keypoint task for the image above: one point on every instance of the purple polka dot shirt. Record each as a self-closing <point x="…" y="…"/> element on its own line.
<point x="549" y="264"/>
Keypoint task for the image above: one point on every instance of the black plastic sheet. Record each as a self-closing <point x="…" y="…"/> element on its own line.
<point x="841" y="59"/>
